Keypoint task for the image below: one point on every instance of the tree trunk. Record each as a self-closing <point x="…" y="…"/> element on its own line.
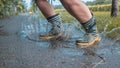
<point x="115" y="8"/>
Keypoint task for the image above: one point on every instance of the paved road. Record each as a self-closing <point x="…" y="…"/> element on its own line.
<point x="17" y="53"/>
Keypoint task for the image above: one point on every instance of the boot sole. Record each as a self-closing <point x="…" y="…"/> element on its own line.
<point x="96" y="40"/>
<point x="50" y="37"/>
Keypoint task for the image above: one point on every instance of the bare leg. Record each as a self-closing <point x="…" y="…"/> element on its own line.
<point x="77" y="9"/>
<point x="45" y="8"/>
<point x="52" y="18"/>
<point x="80" y="11"/>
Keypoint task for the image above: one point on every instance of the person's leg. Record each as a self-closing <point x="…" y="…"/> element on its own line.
<point x="52" y="18"/>
<point x="45" y="8"/>
<point x="81" y="12"/>
<point x="78" y="9"/>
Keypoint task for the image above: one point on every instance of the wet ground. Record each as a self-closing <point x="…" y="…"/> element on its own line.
<point x="22" y="49"/>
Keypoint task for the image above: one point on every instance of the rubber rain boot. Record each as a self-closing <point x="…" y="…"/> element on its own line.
<point x="91" y="37"/>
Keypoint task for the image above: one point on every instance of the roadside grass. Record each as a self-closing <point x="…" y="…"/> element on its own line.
<point x="108" y="25"/>
<point x="105" y="22"/>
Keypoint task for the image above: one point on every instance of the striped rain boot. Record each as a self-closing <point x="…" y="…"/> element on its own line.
<point x="91" y="37"/>
<point x="56" y="30"/>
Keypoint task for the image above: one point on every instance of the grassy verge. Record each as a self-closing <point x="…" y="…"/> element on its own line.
<point x="104" y="18"/>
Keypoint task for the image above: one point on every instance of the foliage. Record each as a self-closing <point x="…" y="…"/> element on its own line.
<point x="104" y="7"/>
<point x="11" y="7"/>
<point x="98" y="2"/>
<point x="58" y="7"/>
<point x="105" y="22"/>
<point x="33" y="7"/>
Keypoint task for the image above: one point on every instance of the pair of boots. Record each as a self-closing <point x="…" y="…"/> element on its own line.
<point x="88" y="39"/>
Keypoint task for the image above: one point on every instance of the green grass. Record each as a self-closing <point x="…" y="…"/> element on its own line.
<point x="66" y="17"/>
<point x="104" y="18"/>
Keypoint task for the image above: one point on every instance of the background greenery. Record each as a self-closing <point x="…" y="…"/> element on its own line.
<point x="11" y="7"/>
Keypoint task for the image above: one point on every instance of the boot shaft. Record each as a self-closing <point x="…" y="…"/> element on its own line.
<point x="90" y="26"/>
<point x="55" y="20"/>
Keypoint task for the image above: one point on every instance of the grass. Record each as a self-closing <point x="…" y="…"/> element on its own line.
<point x="66" y="17"/>
<point x="104" y="18"/>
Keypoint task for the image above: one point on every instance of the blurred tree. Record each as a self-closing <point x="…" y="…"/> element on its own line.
<point x="108" y="1"/>
<point x="33" y="6"/>
<point x="11" y="7"/>
<point x="95" y="2"/>
<point x="115" y="8"/>
<point x="99" y="1"/>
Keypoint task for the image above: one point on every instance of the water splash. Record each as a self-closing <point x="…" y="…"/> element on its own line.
<point x="36" y="25"/>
